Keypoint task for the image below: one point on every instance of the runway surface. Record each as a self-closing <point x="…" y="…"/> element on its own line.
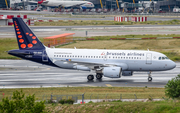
<point x="22" y="74"/>
<point x="80" y="31"/>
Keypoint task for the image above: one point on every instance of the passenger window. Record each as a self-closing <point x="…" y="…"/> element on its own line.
<point x="96" y="56"/>
<point x="59" y="55"/>
<point x="109" y="57"/>
<point x="62" y="56"/>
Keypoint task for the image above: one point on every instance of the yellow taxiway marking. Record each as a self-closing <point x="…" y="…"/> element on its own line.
<point x="108" y="85"/>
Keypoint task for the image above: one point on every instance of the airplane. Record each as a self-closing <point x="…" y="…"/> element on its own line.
<point x="65" y="4"/>
<point x="107" y="63"/>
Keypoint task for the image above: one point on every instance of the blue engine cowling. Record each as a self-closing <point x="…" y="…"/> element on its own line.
<point x="83" y="7"/>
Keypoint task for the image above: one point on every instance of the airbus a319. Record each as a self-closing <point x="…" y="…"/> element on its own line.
<point x="105" y="63"/>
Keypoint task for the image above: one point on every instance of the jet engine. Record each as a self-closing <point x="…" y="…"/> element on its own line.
<point x="112" y="72"/>
<point x="83" y="7"/>
<point x="127" y="73"/>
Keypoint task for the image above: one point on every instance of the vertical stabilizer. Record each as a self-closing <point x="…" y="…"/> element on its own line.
<point x="25" y="37"/>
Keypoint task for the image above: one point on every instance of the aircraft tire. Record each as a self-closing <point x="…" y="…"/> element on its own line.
<point x="99" y="76"/>
<point x="90" y="77"/>
<point x="149" y="78"/>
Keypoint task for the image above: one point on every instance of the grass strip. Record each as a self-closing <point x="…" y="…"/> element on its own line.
<point x="91" y="92"/>
<point x="117" y="107"/>
<point x="104" y="22"/>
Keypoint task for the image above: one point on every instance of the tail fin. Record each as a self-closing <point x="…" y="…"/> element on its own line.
<point x="25" y="37"/>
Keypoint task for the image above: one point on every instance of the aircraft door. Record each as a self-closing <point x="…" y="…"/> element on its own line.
<point x="44" y="57"/>
<point x="105" y="57"/>
<point x="148" y="58"/>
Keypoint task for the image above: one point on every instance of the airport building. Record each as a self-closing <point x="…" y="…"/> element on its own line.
<point x="161" y="6"/>
<point x="4" y="3"/>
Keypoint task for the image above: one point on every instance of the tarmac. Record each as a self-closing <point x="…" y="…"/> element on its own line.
<point x="27" y="74"/>
<point x="80" y="31"/>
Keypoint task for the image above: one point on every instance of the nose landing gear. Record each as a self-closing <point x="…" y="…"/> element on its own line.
<point x="149" y="76"/>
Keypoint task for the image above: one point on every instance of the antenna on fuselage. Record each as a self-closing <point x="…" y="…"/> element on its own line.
<point x="148" y="49"/>
<point x="74" y="47"/>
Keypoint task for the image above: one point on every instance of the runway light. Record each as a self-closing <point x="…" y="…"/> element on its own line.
<point x="30" y="34"/>
<point x="21" y="40"/>
<point x="19" y="36"/>
<point x="27" y="33"/>
<point x="23" y="45"/>
<point x="16" y="26"/>
<point x="17" y="29"/>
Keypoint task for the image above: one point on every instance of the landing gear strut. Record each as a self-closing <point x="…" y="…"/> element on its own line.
<point x="149" y="76"/>
<point x="98" y="76"/>
<point x="90" y="77"/>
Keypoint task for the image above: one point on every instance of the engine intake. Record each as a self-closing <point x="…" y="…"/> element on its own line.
<point x="112" y="72"/>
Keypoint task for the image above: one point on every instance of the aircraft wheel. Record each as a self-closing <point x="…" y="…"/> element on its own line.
<point x="98" y="76"/>
<point x="149" y="78"/>
<point x="90" y="77"/>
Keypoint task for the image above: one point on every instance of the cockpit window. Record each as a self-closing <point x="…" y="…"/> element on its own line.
<point x="163" y="58"/>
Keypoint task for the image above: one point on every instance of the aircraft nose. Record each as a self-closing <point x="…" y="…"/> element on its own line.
<point x="172" y="65"/>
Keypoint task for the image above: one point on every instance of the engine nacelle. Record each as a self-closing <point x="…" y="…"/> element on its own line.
<point x="83" y="7"/>
<point x="127" y="73"/>
<point x="112" y="72"/>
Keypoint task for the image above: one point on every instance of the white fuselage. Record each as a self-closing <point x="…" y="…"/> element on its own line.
<point x="129" y="60"/>
<point x="57" y="3"/>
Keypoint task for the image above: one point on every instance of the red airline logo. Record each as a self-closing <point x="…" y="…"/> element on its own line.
<point x="102" y="53"/>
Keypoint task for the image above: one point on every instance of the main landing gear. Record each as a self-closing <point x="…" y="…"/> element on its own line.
<point x="91" y="77"/>
<point x="149" y="76"/>
<point x="99" y="76"/>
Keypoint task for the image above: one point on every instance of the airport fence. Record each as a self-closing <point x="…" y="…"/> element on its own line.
<point x="85" y="98"/>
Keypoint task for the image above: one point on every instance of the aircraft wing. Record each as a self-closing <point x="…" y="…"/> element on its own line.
<point x="91" y="65"/>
